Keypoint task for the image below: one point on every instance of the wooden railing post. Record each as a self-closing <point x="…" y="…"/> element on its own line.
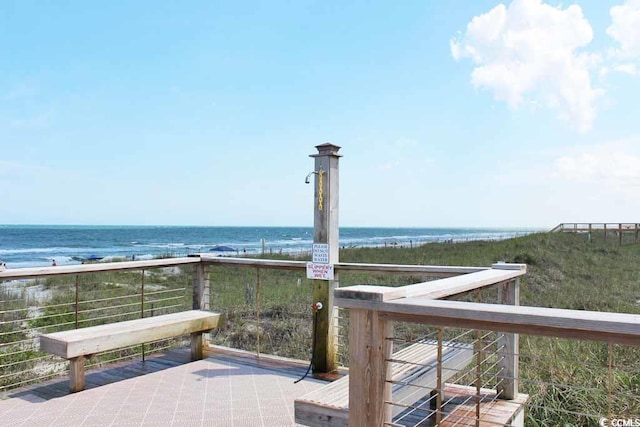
<point x="200" y="302"/>
<point x="620" y="233"/>
<point x="201" y="287"/>
<point x="370" y="347"/>
<point x="508" y="346"/>
<point x="325" y="224"/>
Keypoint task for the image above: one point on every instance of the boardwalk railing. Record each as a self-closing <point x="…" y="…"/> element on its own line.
<point x="266" y="304"/>
<point x="489" y="391"/>
<point x="607" y="229"/>
<point x="34" y="301"/>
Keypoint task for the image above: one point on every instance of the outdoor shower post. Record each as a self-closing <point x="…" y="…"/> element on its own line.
<point x="325" y="224"/>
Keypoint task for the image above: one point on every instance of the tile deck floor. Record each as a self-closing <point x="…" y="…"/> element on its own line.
<point x="210" y="392"/>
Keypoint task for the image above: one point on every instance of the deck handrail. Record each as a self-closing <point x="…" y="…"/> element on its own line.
<point x="614" y="328"/>
<point x="61" y="270"/>
<point x="35" y="272"/>
<point x="373" y="309"/>
<point x="583" y="226"/>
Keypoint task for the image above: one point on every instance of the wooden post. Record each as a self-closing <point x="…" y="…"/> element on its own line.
<point x="605" y="232"/>
<point x="369" y="350"/>
<point x="200" y="302"/>
<point x="201" y="287"/>
<point x="325" y="225"/>
<point x="620" y="233"/>
<point x="76" y="374"/>
<point x="508" y="346"/>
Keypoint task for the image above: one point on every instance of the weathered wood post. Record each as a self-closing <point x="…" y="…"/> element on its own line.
<point x="200" y="302"/>
<point x="369" y="350"/>
<point x="620" y="233"/>
<point x="508" y="343"/>
<point x="325" y="225"/>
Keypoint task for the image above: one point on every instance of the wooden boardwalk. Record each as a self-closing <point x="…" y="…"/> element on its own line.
<point x="228" y="388"/>
<point x="619" y="229"/>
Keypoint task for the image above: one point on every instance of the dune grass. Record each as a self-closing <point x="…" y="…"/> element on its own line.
<point x="565" y="378"/>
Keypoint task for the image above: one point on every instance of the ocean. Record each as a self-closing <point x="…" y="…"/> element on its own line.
<point x="37" y="245"/>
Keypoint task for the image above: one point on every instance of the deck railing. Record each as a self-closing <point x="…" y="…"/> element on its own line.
<point x="43" y="300"/>
<point x="626" y="232"/>
<point x="267" y="304"/>
<point x="565" y="380"/>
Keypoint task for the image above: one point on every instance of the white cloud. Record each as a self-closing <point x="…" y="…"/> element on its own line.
<point x="625" y="30"/>
<point x="613" y="168"/>
<point x="531" y="52"/>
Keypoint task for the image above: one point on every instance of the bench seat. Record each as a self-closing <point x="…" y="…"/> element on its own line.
<point x="415" y="364"/>
<point x="77" y="344"/>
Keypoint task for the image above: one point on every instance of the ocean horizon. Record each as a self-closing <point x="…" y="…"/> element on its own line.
<point x="38" y="245"/>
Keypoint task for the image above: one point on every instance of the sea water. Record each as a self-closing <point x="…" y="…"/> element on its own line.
<point x="38" y="245"/>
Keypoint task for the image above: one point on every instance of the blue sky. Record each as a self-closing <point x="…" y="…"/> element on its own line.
<point x="457" y="113"/>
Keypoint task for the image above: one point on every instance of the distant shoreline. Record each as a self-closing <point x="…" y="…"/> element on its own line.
<point x="38" y="246"/>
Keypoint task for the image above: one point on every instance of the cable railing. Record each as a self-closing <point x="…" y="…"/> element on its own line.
<point x="267" y="305"/>
<point x="45" y="300"/>
<point x="490" y="364"/>
<point x="450" y="337"/>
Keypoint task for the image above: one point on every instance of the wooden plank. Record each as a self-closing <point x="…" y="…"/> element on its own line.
<point x="85" y="341"/>
<point x="435" y="289"/>
<point x="315" y="415"/>
<point x="460" y="410"/>
<point x="432" y="270"/>
<point x="618" y="328"/>
<point x="252" y="262"/>
<point x="29" y="273"/>
<point x="369" y="349"/>
<point x="416" y="375"/>
<point x="370" y="293"/>
<point x="413" y="374"/>
<point x="450" y="286"/>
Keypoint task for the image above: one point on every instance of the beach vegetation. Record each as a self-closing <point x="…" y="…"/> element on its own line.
<point x="268" y="311"/>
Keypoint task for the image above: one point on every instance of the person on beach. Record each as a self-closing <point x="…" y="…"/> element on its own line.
<point x="3" y="266"/>
<point x="53" y="263"/>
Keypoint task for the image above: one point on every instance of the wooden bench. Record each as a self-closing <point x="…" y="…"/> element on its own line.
<point x="414" y="375"/>
<point x="78" y="344"/>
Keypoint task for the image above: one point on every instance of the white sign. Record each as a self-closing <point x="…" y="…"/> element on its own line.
<point x="319" y="271"/>
<point x="320" y="253"/>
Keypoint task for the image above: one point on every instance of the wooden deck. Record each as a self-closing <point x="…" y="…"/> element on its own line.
<point x="227" y="388"/>
<point x="460" y="409"/>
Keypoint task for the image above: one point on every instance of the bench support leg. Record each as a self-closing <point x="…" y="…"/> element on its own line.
<point x="196" y="346"/>
<point x="76" y="374"/>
